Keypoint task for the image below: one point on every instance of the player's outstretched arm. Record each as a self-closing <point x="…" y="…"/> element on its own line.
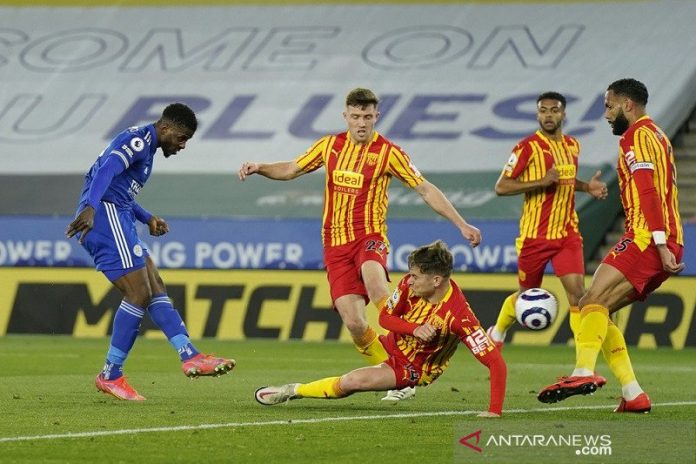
<point x="281" y="170"/>
<point x="485" y="352"/>
<point x="439" y="203"/>
<point x="495" y="363"/>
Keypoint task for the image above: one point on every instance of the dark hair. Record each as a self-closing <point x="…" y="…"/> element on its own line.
<point x="360" y="98"/>
<point x="182" y="115"/>
<point x="552" y="96"/>
<point x="631" y="88"/>
<point x="434" y="258"/>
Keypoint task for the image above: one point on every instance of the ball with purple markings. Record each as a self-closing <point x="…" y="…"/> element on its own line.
<point x="536" y="308"/>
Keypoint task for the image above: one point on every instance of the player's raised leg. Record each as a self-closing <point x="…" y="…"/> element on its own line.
<point x="168" y="319"/>
<point x="193" y="362"/>
<point x="609" y="289"/>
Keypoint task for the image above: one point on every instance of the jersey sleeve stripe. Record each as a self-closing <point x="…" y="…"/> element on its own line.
<point x="123" y="157"/>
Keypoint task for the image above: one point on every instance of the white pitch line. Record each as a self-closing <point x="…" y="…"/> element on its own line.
<point x="643" y="367"/>
<point x="180" y="428"/>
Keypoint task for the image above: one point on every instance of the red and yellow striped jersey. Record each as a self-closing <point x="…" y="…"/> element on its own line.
<point x="357" y="179"/>
<point x="645" y="147"/>
<point x="453" y="319"/>
<point x="548" y="213"/>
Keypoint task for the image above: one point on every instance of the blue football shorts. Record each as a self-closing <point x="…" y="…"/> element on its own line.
<point x="113" y="243"/>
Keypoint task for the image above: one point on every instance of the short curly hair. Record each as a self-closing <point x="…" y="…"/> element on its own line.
<point x="181" y="115"/>
<point x="552" y="96"/>
<point x="631" y="88"/>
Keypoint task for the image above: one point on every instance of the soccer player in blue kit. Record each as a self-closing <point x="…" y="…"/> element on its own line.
<point x="105" y="226"/>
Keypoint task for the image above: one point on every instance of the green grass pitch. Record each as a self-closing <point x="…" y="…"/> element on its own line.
<point x="51" y="411"/>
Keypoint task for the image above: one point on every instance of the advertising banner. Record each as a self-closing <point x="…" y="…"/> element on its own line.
<point x="289" y="305"/>
<point x="267" y="244"/>
<point x="252" y="244"/>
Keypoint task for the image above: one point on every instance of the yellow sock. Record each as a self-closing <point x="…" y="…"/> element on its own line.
<point x="590" y="337"/>
<point x="616" y="354"/>
<point x="328" y="387"/>
<point x="506" y="317"/>
<point x="369" y="346"/>
<point x="574" y="319"/>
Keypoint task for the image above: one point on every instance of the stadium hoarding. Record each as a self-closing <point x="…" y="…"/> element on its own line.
<point x="247" y="243"/>
<point x="458" y="82"/>
<point x="251" y="244"/>
<point x="290" y="304"/>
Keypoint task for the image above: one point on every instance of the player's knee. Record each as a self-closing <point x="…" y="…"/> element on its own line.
<point x="139" y="295"/>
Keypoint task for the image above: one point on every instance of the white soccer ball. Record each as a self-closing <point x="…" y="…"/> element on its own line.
<point x="536" y="308"/>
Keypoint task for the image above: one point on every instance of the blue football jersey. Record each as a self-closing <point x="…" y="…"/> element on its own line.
<point x="135" y="148"/>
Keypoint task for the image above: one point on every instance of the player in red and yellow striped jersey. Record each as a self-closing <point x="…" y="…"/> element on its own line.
<point x="544" y="167"/>
<point x="356" y="190"/>
<point x="427" y="317"/>
<point x="360" y="164"/>
<point x="648" y="253"/>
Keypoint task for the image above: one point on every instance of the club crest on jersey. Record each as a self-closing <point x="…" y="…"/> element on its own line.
<point x="137" y="144"/>
<point x="372" y="158"/>
<point x="138" y="250"/>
